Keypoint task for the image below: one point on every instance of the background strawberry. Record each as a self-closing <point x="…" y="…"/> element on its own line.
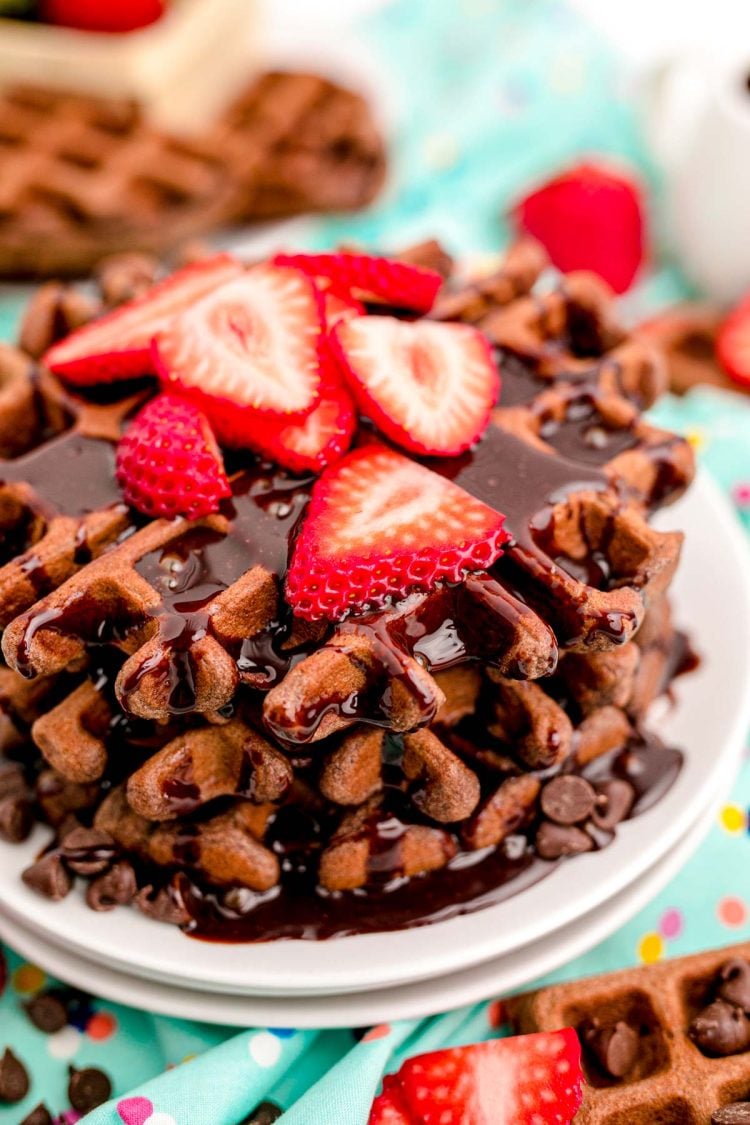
<point x="102" y="15"/>
<point x="733" y="343"/>
<point x="589" y="218"/>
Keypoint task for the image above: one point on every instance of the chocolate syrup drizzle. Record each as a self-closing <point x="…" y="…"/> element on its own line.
<point x="439" y="629"/>
<point x="264" y="513"/>
<point x="471" y="881"/>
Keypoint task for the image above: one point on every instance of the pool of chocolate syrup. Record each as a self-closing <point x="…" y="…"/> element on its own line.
<point x="472" y="881"/>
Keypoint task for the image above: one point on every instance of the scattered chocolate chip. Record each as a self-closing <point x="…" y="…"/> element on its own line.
<point x="615" y="799"/>
<point x="163" y="906"/>
<point x="88" y="1088"/>
<point x="737" y="1114"/>
<point x="40" y="1115"/>
<point x="88" y="851"/>
<point x="49" y="877"/>
<point x="47" y="1012"/>
<point x="614" y="1046"/>
<point x="721" y="1029"/>
<point x="264" y="1114"/>
<point x="16" y="818"/>
<point x="14" y="1079"/>
<point x="555" y="840"/>
<point x="116" y="887"/>
<point x="568" y="799"/>
<point x="734" y="983"/>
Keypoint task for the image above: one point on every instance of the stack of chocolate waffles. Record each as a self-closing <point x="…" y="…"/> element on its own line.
<point x="215" y="721"/>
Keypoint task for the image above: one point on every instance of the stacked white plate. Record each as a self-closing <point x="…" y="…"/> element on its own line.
<point x="363" y="979"/>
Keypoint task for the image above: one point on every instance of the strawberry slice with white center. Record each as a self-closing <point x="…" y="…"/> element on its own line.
<point x="118" y="345"/>
<point x="526" y="1080"/>
<point x="429" y="386"/>
<point x="318" y="440"/>
<point x="250" y="348"/>
<point x="371" y="278"/>
<point x="380" y="526"/>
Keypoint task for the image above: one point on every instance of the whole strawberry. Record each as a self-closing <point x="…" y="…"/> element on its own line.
<point x="168" y="462"/>
<point x="591" y="217"/>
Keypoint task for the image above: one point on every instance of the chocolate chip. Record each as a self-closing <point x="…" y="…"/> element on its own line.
<point x="164" y="905"/>
<point x="88" y="1088"/>
<point x="116" y="887"/>
<point x="737" y="1114"/>
<point x="568" y="799"/>
<point x="88" y="851"/>
<point x="49" y="877"/>
<point x="734" y="983"/>
<point x="721" y="1029"/>
<point x="264" y="1114"/>
<point x="554" y="840"/>
<point x="14" y="1079"/>
<point x="16" y="818"/>
<point x="615" y="799"/>
<point x="614" y="1046"/>
<point x="40" y="1115"/>
<point x="47" y="1012"/>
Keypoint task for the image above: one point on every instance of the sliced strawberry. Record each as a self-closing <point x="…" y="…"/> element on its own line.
<point x="429" y="386"/>
<point x="526" y="1080"/>
<point x="254" y="346"/>
<point x="589" y="218"/>
<point x="318" y="440"/>
<point x="371" y="278"/>
<point x="340" y="306"/>
<point x="168" y="462"/>
<point x="118" y="345"/>
<point x="389" y="1108"/>
<point x="380" y="526"/>
<point x="733" y="343"/>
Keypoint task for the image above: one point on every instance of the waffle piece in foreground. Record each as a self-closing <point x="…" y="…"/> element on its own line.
<point x="662" y="1043"/>
<point x="201" y="748"/>
<point x="84" y="177"/>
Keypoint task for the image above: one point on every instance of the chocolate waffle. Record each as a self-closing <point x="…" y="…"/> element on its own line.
<point x="667" y="1042"/>
<point x="231" y="767"/>
<point x="84" y="177"/>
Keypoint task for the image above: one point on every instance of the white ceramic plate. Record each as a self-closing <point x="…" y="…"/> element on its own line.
<point x="359" y="1009"/>
<point x="712" y="597"/>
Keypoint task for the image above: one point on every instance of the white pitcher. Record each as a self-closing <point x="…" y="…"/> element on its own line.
<point x="698" y="120"/>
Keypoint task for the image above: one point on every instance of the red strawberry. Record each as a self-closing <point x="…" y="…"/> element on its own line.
<point x="168" y="462"/>
<point x="118" y="345"/>
<point x="379" y="526"/>
<point x="389" y="1108"/>
<point x="340" y="306"/>
<point x="733" y="343"/>
<point x="526" y="1080"/>
<point x="253" y="347"/>
<point x="382" y="279"/>
<point x="318" y="440"/>
<point x="589" y="218"/>
<point x="102" y="15"/>
<point x="429" y="386"/>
